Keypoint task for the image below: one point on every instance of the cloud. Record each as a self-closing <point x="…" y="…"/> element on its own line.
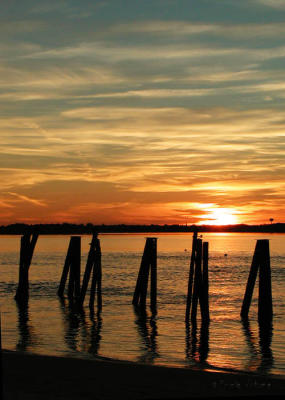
<point x="124" y="52"/>
<point x="278" y="4"/>
<point x="21" y="26"/>
<point x="181" y="28"/>
<point x="278" y="86"/>
<point x="28" y="199"/>
<point x="164" y="27"/>
<point x="158" y="93"/>
<point x="57" y="77"/>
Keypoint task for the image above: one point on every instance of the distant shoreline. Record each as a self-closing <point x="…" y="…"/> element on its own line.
<point x="71" y="229"/>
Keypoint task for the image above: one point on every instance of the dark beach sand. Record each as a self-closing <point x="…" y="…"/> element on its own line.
<point x="35" y="377"/>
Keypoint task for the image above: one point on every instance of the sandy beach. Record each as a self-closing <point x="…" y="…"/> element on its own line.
<point x="36" y="377"/>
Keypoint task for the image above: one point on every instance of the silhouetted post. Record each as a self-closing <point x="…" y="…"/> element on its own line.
<point x="198" y="283"/>
<point x="74" y="274"/>
<point x="96" y="277"/>
<point x="191" y="275"/>
<point x="148" y="262"/>
<point x="265" y="309"/>
<point x="261" y="261"/>
<point x="88" y="269"/>
<point x="141" y="276"/>
<point x="250" y="282"/>
<point x="197" y="289"/>
<point x="65" y="270"/>
<point x="204" y="304"/>
<point x="28" y="243"/>
<point x="153" y="275"/>
<point x="71" y="266"/>
<point x="93" y="263"/>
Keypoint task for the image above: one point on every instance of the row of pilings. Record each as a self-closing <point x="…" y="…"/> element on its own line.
<point x="198" y="281"/>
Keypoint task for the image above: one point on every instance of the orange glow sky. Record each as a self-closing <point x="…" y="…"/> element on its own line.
<point x="142" y="112"/>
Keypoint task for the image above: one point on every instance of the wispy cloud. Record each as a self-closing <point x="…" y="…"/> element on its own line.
<point x="20" y="26"/>
<point x="28" y="199"/>
<point x="279" y="4"/>
<point x="181" y="28"/>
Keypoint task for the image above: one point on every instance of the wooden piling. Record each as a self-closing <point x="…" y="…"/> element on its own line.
<point x="71" y="266"/>
<point x="204" y="303"/>
<point x="197" y="281"/>
<point x="250" y="282"/>
<point x="148" y="263"/>
<point x="265" y="308"/>
<point x="191" y="276"/>
<point x="93" y="264"/>
<point x="74" y="273"/>
<point x="88" y="269"/>
<point x="141" y="276"/>
<point x="144" y="280"/>
<point x="261" y="261"/>
<point x="96" y="277"/>
<point x="153" y="272"/>
<point x="28" y="243"/>
<point x="65" y="270"/>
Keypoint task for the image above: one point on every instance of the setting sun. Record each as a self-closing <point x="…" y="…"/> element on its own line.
<point x="221" y="216"/>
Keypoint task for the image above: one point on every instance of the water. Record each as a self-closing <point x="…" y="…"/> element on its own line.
<point x="49" y="326"/>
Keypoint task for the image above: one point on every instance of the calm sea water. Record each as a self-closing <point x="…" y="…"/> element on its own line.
<point x="49" y="326"/>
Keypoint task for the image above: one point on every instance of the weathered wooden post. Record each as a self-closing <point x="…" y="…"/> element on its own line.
<point x="261" y="261"/>
<point x="148" y="262"/>
<point x="153" y="275"/>
<point x="198" y="286"/>
<point x="141" y="285"/>
<point x="28" y="243"/>
<point x="93" y="262"/>
<point x="205" y="283"/>
<point x="96" y="278"/>
<point x="71" y="266"/>
<point x="250" y="282"/>
<point x="191" y="276"/>
<point x="265" y="308"/>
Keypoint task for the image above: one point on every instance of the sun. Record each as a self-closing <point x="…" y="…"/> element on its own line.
<point x="220" y="216"/>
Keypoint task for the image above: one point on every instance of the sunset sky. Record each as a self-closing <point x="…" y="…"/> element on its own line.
<point x="142" y="111"/>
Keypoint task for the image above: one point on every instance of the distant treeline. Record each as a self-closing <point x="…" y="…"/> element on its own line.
<point x="72" y="229"/>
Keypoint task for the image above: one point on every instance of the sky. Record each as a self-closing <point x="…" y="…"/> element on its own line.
<point x="142" y="111"/>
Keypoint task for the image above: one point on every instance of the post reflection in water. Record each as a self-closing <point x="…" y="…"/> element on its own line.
<point x="197" y="350"/>
<point x="26" y="334"/>
<point x="76" y="323"/>
<point x="147" y="329"/>
<point x="71" y="324"/>
<point x="261" y="356"/>
<point x="94" y="336"/>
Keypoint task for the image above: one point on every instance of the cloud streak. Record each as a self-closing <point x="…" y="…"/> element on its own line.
<point x="28" y="199"/>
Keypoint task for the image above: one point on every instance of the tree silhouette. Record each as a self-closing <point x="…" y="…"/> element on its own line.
<point x="271" y="220"/>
